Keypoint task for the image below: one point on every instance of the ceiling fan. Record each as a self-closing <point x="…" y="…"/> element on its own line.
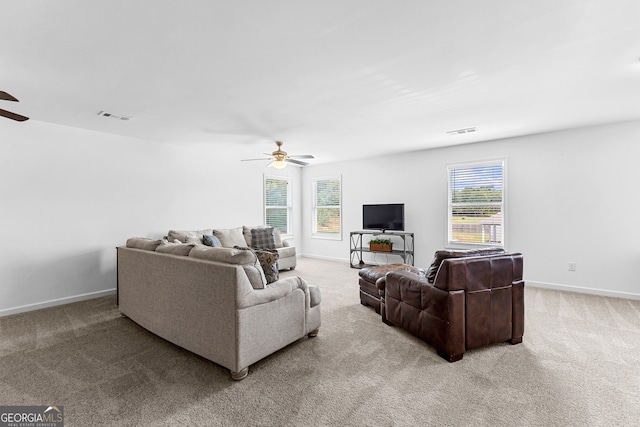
<point x="8" y="114"/>
<point x="279" y="158"/>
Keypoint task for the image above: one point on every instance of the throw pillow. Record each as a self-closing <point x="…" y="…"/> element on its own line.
<point x="193" y="240"/>
<point x="230" y="237"/>
<point x="262" y="238"/>
<point x="269" y="262"/>
<point x="246" y="230"/>
<point x="211" y="240"/>
<point x="183" y="235"/>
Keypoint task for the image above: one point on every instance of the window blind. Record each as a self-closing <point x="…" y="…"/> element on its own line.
<point x="276" y="203"/>
<point x="327" y="207"/>
<point x="476" y="203"/>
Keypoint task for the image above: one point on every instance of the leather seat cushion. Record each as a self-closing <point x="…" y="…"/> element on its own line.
<point x="372" y="274"/>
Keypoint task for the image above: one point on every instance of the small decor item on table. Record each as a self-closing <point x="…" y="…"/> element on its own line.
<point x="380" y="245"/>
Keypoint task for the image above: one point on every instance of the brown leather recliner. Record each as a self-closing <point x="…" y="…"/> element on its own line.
<point x="472" y="301"/>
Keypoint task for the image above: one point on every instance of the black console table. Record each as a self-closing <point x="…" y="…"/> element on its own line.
<point x="357" y="248"/>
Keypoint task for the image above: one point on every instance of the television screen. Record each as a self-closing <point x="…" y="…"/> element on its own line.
<point x="383" y="217"/>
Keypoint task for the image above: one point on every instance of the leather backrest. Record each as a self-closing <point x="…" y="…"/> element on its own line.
<point x="441" y="255"/>
<point x="479" y="272"/>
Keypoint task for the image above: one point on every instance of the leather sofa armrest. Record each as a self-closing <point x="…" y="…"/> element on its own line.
<point x="381" y="284"/>
<point x="400" y="284"/>
<point x="417" y="292"/>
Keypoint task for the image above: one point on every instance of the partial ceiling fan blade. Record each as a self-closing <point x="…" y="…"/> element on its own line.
<point x="302" y="156"/>
<point x="250" y="160"/>
<point x="6" y="97"/>
<point x="13" y="116"/>
<point x="296" y="162"/>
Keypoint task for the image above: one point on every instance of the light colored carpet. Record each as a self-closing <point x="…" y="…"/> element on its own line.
<point x="579" y="365"/>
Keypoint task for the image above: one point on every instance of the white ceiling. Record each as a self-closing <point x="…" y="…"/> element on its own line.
<point x="333" y="78"/>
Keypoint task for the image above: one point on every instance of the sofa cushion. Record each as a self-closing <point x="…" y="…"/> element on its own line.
<point x="269" y="261"/>
<point x="262" y="238"/>
<point x="247" y="259"/>
<point x="277" y="238"/>
<point x="174" y="248"/>
<point x="183" y="235"/>
<point x="143" y="243"/>
<point x="230" y="237"/>
<point x="211" y="240"/>
<point x="440" y="256"/>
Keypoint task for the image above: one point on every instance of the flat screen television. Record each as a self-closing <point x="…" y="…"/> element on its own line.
<point x="383" y="217"/>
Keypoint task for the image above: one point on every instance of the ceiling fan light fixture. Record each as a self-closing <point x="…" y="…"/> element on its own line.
<point x="279" y="158"/>
<point x="279" y="164"/>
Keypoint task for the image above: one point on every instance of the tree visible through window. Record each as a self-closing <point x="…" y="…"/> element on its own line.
<point x="476" y="203"/>
<point x="327" y="207"/>
<point x="277" y="206"/>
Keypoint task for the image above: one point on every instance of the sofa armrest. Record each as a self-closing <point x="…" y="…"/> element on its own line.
<point x="273" y="292"/>
<point x="381" y="284"/>
<point x="417" y="292"/>
<point x="405" y="286"/>
<point x="406" y="276"/>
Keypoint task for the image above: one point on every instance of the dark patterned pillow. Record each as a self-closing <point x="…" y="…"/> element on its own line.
<point x="262" y="238"/>
<point x="211" y="240"/>
<point x="269" y="261"/>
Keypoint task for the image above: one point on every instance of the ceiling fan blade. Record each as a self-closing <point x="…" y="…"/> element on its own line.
<point x="5" y="96"/>
<point x="249" y="160"/>
<point x="296" y="162"/>
<point x="302" y="156"/>
<point x="13" y="116"/>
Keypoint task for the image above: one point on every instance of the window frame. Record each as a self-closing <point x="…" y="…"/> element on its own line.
<point x="314" y="208"/>
<point x="289" y="206"/>
<point x="449" y="242"/>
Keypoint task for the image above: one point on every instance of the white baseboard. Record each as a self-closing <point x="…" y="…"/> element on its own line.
<point x="582" y="290"/>
<point x="369" y="262"/>
<point x="55" y="302"/>
<point x="326" y="258"/>
<point x="535" y="284"/>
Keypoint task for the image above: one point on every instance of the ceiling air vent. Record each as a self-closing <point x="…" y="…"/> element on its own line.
<point x="113" y="116"/>
<point x="461" y="131"/>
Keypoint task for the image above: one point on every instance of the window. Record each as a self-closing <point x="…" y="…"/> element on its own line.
<point x="277" y="203"/>
<point x="476" y="204"/>
<point x="327" y="208"/>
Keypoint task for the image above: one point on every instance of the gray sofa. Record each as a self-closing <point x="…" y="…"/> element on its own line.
<point x="213" y="301"/>
<point x="239" y="236"/>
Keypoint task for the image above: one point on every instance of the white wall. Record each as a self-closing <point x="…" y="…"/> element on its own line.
<point x="571" y="196"/>
<point x="70" y="196"/>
